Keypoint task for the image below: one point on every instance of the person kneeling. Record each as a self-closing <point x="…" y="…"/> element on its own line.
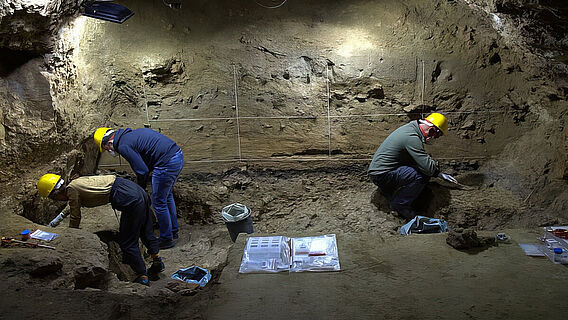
<point x="125" y="196"/>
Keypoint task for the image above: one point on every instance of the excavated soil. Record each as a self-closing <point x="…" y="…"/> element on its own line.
<point x="308" y="202"/>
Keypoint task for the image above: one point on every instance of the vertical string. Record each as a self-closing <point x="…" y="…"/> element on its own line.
<point x="145" y="106"/>
<point x="328" y="112"/>
<point x="423" y="85"/>
<point x="237" y="112"/>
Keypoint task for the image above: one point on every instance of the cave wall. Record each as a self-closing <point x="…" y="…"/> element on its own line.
<point x="183" y="63"/>
<point x="383" y="63"/>
<point x="535" y="164"/>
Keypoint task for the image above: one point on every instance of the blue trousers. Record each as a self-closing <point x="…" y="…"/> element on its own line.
<point x="135" y="222"/>
<point x="163" y="180"/>
<point x="401" y="186"/>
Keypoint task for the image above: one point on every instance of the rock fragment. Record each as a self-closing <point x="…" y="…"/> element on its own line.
<point x="463" y="239"/>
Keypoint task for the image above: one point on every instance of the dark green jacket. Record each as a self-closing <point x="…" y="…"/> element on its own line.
<point x="404" y="147"/>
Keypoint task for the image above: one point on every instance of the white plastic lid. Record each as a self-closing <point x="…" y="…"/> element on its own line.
<point x="235" y="212"/>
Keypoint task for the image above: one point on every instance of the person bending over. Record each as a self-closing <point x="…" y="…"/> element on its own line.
<point x="125" y="196"/>
<point x="148" y="150"/>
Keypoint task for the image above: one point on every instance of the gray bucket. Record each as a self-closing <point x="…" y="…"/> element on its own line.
<point x="237" y="219"/>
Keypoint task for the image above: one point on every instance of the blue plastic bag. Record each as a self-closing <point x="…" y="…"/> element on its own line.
<point x="421" y="224"/>
<point x="193" y="275"/>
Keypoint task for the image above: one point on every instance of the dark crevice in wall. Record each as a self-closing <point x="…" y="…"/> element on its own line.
<point x="11" y="60"/>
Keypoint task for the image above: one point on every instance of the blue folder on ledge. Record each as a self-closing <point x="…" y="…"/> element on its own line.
<point x="107" y="11"/>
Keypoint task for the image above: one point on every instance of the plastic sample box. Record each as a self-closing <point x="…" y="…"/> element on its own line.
<point x="279" y="253"/>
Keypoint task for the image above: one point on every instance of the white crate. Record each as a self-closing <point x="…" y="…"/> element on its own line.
<point x="266" y="254"/>
<point x="265" y="247"/>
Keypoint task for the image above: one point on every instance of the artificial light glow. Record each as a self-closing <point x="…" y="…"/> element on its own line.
<point x="42" y="3"/>
<point x="355" y="44"/>
<point x="72" y="34"/>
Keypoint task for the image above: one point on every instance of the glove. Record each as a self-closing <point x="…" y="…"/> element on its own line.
<point x="448" y="178"/>
<point x="157" y="266"/>
<point x="55" y="222"/>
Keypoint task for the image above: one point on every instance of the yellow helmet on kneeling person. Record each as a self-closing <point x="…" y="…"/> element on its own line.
<point x="47" y="183"/>
<point x="439" y="120"/>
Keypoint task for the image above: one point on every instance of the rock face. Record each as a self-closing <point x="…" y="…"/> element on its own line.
<point x="32" y="26"/>
<point x="253" y="92"/>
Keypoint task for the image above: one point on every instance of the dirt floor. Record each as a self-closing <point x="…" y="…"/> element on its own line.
<point x="406" y="275"/>
<point x="402" y="278"/>
<point x="381" y="277"/>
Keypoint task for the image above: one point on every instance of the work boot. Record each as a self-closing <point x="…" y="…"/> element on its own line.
<point x="157" y="266"/>
<point x="142" y="279"/>
<point x="407" y="214"/>
<point x="166" y="243"/>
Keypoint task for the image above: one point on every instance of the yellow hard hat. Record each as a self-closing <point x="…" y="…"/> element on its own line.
<point x="98" y="136"/>
<point x="439" y="120"/>
<point x="46" y="183"/>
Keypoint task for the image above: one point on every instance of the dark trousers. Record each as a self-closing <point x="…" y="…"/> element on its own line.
<point x="401" y="186"/>
<point x="135" y="222"/>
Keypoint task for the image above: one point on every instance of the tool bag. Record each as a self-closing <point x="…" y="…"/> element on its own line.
<point x="421" y="224"/>
<point x="193" y="275"/>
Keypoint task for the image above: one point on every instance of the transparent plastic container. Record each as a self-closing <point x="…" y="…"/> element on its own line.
<point x="275" y="254"/>
<point x="235" y="212"/>
<point x="266" y="254"/>
<point x="555" y="248"/>
<point x="554" y="251"/>
<point x="556" y="255"/>
<point x="560" y="256"/>
<point x="315" y="254"/>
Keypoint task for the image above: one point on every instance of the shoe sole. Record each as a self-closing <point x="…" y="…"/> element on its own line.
<point x="167" y="246"/>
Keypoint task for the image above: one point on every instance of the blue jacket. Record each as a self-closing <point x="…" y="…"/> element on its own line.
<point x="144" y="149"/>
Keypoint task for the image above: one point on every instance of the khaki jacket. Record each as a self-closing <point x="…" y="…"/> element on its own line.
<point x="89" y="191"/>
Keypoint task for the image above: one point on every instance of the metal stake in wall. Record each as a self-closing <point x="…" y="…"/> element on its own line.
<point x="237" y="113"/>
<point x="147" y="124"/>
<point x="423" y="84"/>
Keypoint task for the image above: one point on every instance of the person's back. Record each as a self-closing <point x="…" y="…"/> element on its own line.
<point x="149" y="151"/>
<point x="154" y="148"/>
<point x="87" y="191"/>
<point x="124" y="195"/>
<point x="92" y="191"/>
<point x="403" y="147"/>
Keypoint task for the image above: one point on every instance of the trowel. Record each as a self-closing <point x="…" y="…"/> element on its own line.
<point x="454" y="181"/>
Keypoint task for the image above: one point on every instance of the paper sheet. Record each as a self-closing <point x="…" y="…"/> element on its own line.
<point x="532" y="249"/>
<point x="43" y="235"/>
